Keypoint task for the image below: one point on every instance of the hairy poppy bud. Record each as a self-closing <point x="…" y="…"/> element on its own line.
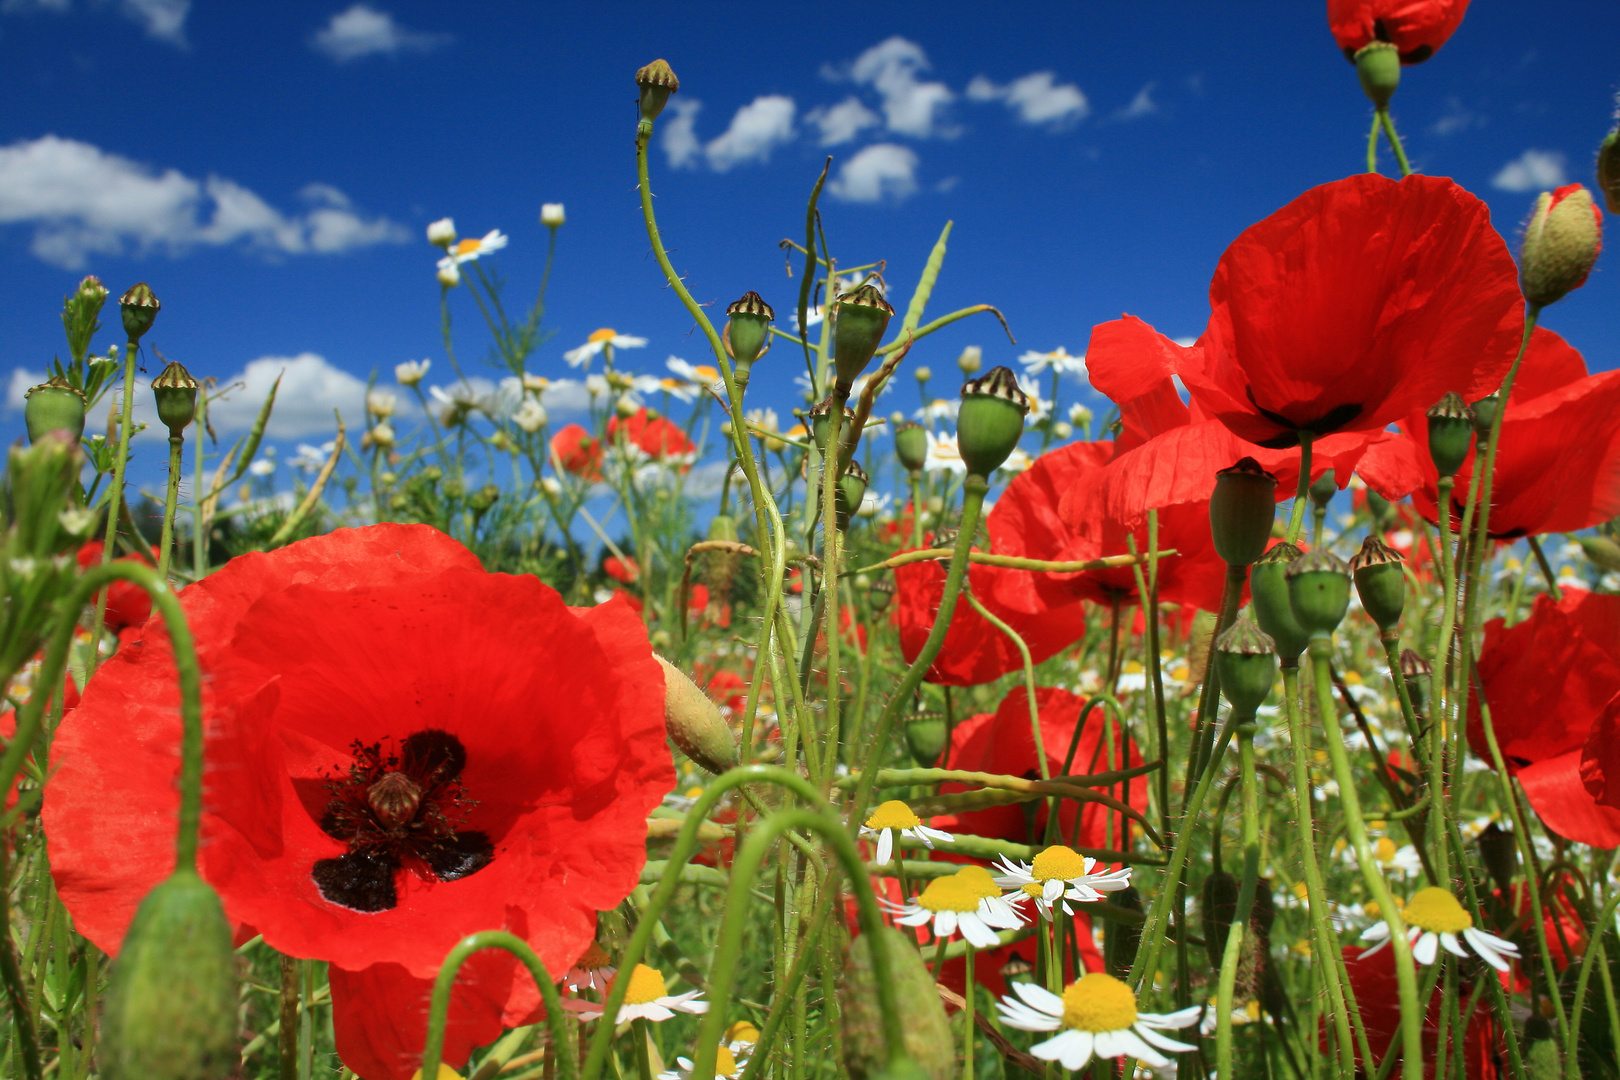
<point x="821" y="422"/>
<point x="1608" y="170"/>
<point x="971" y="360"/>
<point x="1451" y="433"/>
<point x="860" y="319"/>
<point x="1380" y="581"/>
<point x="171" y="1001"/>
<point x="694" y="722"/>
<point x="1247" y="661"/>
<point x="1322" y="489"/>
<point x="851" y="490"/>
<point x="54" y="406"/>
<point x="657" y="82"/>
<point x="1378" y="65"/>
<point x="1500" y="855"/>
<point x="1218" y="908"/>
<point x="139" y="308"/>
<point x="1318" y="591"/>
<point x="176" y="394"/>
<point x="928" y="1032"/>
<point x="40" y="477"/>
<point x="1268" y="589"/>
<point x="1485" y="415"/>
<point x="1121" y="938"/>
<point x="991" y="420"/>
<point x="1561" y="242"/>
<point x="79" y="313"/>
<point x="925" y="736"/>
<point x="748" y="324"/>
<point x="1241" y="510"/>
<point x="911" y="445"/>
<point x="1601" y="551"/>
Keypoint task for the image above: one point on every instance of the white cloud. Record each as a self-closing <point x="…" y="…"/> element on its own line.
<point x="1457" y="117"/>
<point x="910" y="106"/>
<point x="680" y="139"/>
<point x="362" y="30"/>
<point x="22" y="381"/>
<point x="842" y="122"/>
<point x="1533" y="170"/>
<point x="756" y="129"/>
<point x="881" y="171"/>
<point x="162" y="19"/>
<point x="82" y="200"/>
<point x="1141" y="105"/>
<point x="310" y="389"/>
<point x="1037" y="98"/>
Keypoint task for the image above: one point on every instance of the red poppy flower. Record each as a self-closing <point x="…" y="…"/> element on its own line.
<point x="1417" y="28"/>
<point x="656" y="436"/>
<point x="1372" y="979"/>
<point x="1353" y="305"/>
<point x="127" y="603"/>
<point x="401" y="750"/>
<point x="622" y="570"/>
<point x="1546" y="726"/>
<point x="578" y="452"/>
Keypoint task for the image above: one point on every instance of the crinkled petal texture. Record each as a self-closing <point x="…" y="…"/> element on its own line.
<point x="1353" y="305"/>
<point x="1417" y="28"/>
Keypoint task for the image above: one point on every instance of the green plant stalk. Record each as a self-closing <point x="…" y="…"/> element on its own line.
<point x="1245" y="900"/>
<point x="916" y="510"/>
<point x="1148" y="593"/>
<point x="1296" y="516"/>
<point x="115" y="495"/>
<point x="1209" y="698"/>
<point x="439" y="1005"/>
<point x="26" y="1042"/>
<point x="829" y="568"/>
<point x="780" y="999"/>
<point x="968" y="1006"/>
<point x="639" y="1035"/>
<point x="287" y="1037"/>
<point x="1029" y="680"/>
<point x="1394" y="142"/>
<point x="1321" y="649"/>
<point x="1372" y="146"/>
<point x="170" y="498"/>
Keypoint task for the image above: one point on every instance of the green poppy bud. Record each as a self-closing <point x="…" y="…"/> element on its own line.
<point x="881" y="594"/>
<point x="1378" y="65"/>
<point x="1451" y="433"/>
<point x="1247" y="661"/>
<point x="657" y="81"/>
<point x="860" y="319"/>
<point x="925" y="735"/>
<point x="1485" y="415"/>
<point x="54" y="406"/>
<point x="1322" y="489"/>
<point x="139" y="308"/>
<point x="748" y="329"/>
<point x="1241" y="511"/>
<point x="911" y="445"/>
<point x="1415" y="671"/>
<point x="928" y="1032"/>
<point x="1380" y="582"/>
<point x="172" y="998"/>
<point x="991" y="420"/>
<point x="1121" y="938"/>
<point x="1608" y="170"/>
<point x="694" y="722"/>
<point x="1218" y="908"/>
<point x="1561" y="242"/>
<point x="176" y="394"/>
<point x="851" y="490"/>
<point x="1500" y="855"/>
<point x="1601" y="551"/>
<point x="1318" y="591"/>
<point x="821" y="423"/>
<point x="1268" y="589"/>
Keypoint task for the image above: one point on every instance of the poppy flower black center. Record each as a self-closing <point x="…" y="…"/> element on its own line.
<point x="397" y="811"/>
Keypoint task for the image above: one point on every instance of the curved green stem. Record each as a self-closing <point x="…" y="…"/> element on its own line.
<point x="1388" y="124"/>
<point x="439" y="1007"/>
<point x="829" y="565"/>
<point x="1029" y="680"/>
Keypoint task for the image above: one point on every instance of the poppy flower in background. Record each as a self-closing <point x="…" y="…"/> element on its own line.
<point x="1372" y="979"/>
<point x="401" y="750"/>
<point x="578" y="452"/>
<point x="621" y="570"/>
<point x="1417" y="28"/>
<point x="127" y="603"/>
<point x="656" y="436"/>
<point x="1552" y="731"/>
<point x="1357" y="303"/>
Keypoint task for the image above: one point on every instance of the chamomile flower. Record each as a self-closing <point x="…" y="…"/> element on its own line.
<point x="1391" y="856"/>
<point x="742" y="1037"/>
<point x="938" y="409"/>
<point x="381" y="403"/>
<point x="644" y="1000"/>
<point x="471" y="248"/>
<point x="411" y="372"/>
<point x="726" y="1066"/>
<point x="592" y="971"/>
<point x="955" y="904"/>
<point x="944" y="454"/>
<point x="530" y="416"/>
<point x="442" y="233"/>
<point x="1057" y="360"/>
<point x="1434" y="918"/>
<point x="991" y="900"/>
<point x="1059" y="873"/>
<point x="1095" y="1017"/>
<point x="697" y="374"/>
<point x="599" y="341"/>
<point x="896" y="815"/>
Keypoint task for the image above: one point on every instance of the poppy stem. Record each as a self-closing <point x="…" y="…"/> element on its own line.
<point x="439" y="1005"/>
<point x="831" y="457"/>
<point x="1372" y="145"/>
<point x="170" y="498"/>
<point x="1296" y="517"/>
<point x="1394" y="142"/>
<point x="1245" y="898"/>
<point x="114" y="495"/>
<point x="968" y="1002"/>
<point x="1546" y="569"/>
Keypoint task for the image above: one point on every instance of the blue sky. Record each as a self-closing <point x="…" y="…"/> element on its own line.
<point x="270" y="168"/>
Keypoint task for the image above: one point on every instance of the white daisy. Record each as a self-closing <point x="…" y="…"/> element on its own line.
<point x="411" y="372"/>
<point x="599" y="341"/>
<point x="1018" y="461"/>
<point x="530" y="416"/>
<point x="1434" y="918"/>
<point x="442" y="233"/>
<point x="957" y="903"/>
<point x="893" y="816"/>
<point x="381" y="403"/>
<point x="645" y="1000"/>
<point x="938" y="409"/>
<point x="1059" y="873"/>
<point x="470" y="248"/>
<point x="697" y="374"/>
<point x="1095" y="1017"/>
<point x="310" y="459"/>
<point x="592" y="971"/>
<point x="1057" y="360"/>
<point x="727" y="1066"/>
<point x="943" y="454"/>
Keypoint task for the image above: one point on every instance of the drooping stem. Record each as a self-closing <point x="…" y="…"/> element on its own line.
<point x="170" y="498"/>
<point x="439" y="1006"/>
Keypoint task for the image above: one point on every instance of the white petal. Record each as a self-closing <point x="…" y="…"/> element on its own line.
<point x="885" y="846"/>
<point x="1375" y="948"/>
<point x="1040" y="997"/>
<point x="919" y="917"/>
<point x="1051" y="890"/>
<point x="697" y="1007"/>
<point x="1179" y="1019"/>
<point x="944" y="923"/>
<point x="1129" y="1042"/>
<point x="1491" y="948"/>
<point x="1072" y="1048"/>
<point x="1452" y="946"/>
<point x="978" y="934"/>
<point x="919" y="833"/>
<point x="1017" y="1014"/>
<point x="1378" y="931"/>
<point x="1163" y="1042"/>
<point x="1427" y="945"/>
<point x="1107" y="1044"/>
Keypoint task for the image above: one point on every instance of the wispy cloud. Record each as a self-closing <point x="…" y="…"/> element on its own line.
<point x="82" y="200"/>
<point x="1457" y="117"/>
<point x="1037" y="98"/>
<point x="362" y="30"/>
<point x="878" y="172"/>
<point x="842" y="122"/>
<point x="164" y="20"/>
<point x="755" y="130"/>
<point x="1533" y="170"/>
<point x="911" y="106"/>
<point x="1141" y="105"/>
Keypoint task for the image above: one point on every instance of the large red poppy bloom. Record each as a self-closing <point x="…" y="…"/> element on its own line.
<point x="127" y="603"/>
<point x="401" y="749"/>
<point x="1353" y="305"/>
<point x="656" y="436"/>
<point x="1551" y="730"/>
<point x="1417" y="28"/>
<point x="578" y="452"/>
<point x="1372" y="978"/>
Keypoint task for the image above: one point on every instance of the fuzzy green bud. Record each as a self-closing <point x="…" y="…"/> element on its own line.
<point x="1601" y="551"/>
<point x="1378" y="65"/>
<point x="1241" y="510"/>
<point x="1121" y="938"/>
<point x="1268" y="589"/>
<point x="1247" y="662"/>
<point x="1318" y="592"/>
<point x="79" y="312"/>
<point x="56" y="405"/>
<point x="991" y="420"/>
<point x="1500" y="855"/>
<point x="925" y="736"/>
<point x="860" y="319"/>
<point x="1416" y="672"/>
<point x="911" y="445"/>
<point x="821" y="423"/>
<point x="1485" y="415"/>
<point x="176" y="394"/>
<point x="929" y="1043"/>
<point x="851" y="490"/>
<point x="882" y="594"/>
<point x="1608" y="170"/>
<point x="657" y="81"/>
<point x="1380" y="582"/>
<point x="1378" y="507"/>
<point x="40" y="477"/>
<point x="694" y="722"/>
<point x="1561" y="242"/>
<point x="1451" y="433"/>
<point x="748" y="330"/>
<point x="139" y="308"/>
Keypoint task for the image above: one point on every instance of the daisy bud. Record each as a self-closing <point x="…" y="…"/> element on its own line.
<point x="176" y="394"/>
<point x="1062" y="431"/>
<point x="851" y="491"/>
<point x="1500" y="855"/>
<point x="54" y="406"/>
<point x="449" y="275"/>
<point x="1318" y="592"/>
<point x="1608" y="170"/>
<point x="821" y="422"/>
<point x="923" y="374"/>
<point x="991" y="420"/>
<point x="860" y="319"/>
<point x="1247" y="661"/>
<point x="1121" y="938"/>
<point x="1268" y="589"/>
<point x="748" y="328"/>
<point x="1561" y="242"/>
<point x="928" y="1032"/>
<point x="694" y="722"/>
<point x="1416" y="671"/>
<point x="1218" y="907"/>
<point x="1241" y="510"/>
<point x="911" y="445"/>
<point x="971" y="360"/>
<point x="1322" y="489"/>
<point x="551" y="215"/>
<point x="657" y="82"/>
<point x="625" y="406"/>
<point x="139" y="308"/>
<point x="1380" y="582"/>
<point x="442" y="233"/>
<point x="382" y="436"/>
<point x="1451" y="434"/>
<point x="925" y="736"/>
<point x="171" y="1001"/>
<point x="1601" y="552"/>
<point x="1378" y="65"/>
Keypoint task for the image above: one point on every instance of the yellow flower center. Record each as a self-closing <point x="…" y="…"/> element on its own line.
<point x="1132" y="667"/>
<point x="706" y="373"/>
<point x="1436" y="910"/>
<point x="646" y="984"/>
<point x="742" y="1031"/>
<point x="893" y="814"/>
<point x="949" y="894"/>
<point x="467" y="246"/>
<point x="445" y="1073"/>
<point x="1384" y="850"/>
<point x="1098" y="1002"/>
<point x="1059" y="862"/>
<point x="724" y="1063"/>
<point x="979" y="879"/>
<point x="603" y="334"/>
<point x="1034" y="888"/>
<point x="595" y="957"/>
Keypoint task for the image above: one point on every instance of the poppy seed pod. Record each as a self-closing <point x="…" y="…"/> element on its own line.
<point x="928" y="1032"/>
<point x="748" y="322"/>
<point x="1416" y="672"/>
<point x="1378" y="65"/>
<point x="1318" y="592"/>
<point x="1268" y="590"/>
<point x="694" y="722"/>
<point x="139" y="308"/>
<point x="1561" y="242"/>
<point x="176" y="394"/>
<point x="1241" y="511"/>
<point x="657" y="82"/>
<point x="1485" y="415"/>
<point x="1246" y="659"/>
<point x="1322" y="489"/>
<point x="821" y="422"/>
<point x="911" y="445"/>
<point x="925" y="736"/>
<point x="171" y="1002"/>
<point x="1380" y="582"/>
<point x="54" y="406"/>
<point x="860" y="319"/>
<point x="1608" y="170"/>
<point x="881" y="594"/>
<point x="1451" y="433"/>
<point x="991" y="420"/>
<point x="851" y="490"/>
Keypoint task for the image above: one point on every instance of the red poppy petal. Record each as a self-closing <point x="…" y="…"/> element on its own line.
<point x="1600" y="758"/>
<point x="1557" y="794"/>
<point x="1417" y="28"/>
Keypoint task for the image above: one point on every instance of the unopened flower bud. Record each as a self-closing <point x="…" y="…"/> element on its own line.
<point x="382" y="436"/>
<point x="1561" y="242"/>
<point x="923" y="374"/>
<point x="1416" y="672"/>
<point x="551" y="215"/>
<point x="1380" y="581"/>
<point x="882" y="594"/>
<point x="860" y="319"/>
<point x="1247" y="661"/>
<point x="748" y="329"/>
<point x="1218" y="909"/>
<point x="1121" y="939"/>
<point x="449" y="275"/>
<point x="925" y="733"/>
<point x="1500" y="855"/>
<point x="1268" y="589"/>
<point x="694" y="722"/>
<point x="1322" y="489"/>
<point x="1241" y="510"/>
<point x="79" y="312"/>
<point x="1377" y="507"/>
<point x="1485" y="415"/>
<point x="930" y="1049"/>
<point x="442" y="233"/>
<point x="1062" y="431"/>
<point x="821" y="423"/>
<point x="1378" y="65"/>
<point x="139" y="308"/>
<point x="911" y="445"/>
<point x="1318" y="591"/>
<point x="971" y="360"/>
<point x="176" y="394"/>
<point x="625" y="406"/>
<point x="1451" y="434"/>
<point x="1601" y="551"/>
<point x="657" y="82"/>
<point x="1608" y="170"/>
<point x="54" y="406"/>
<point x="991" y="420"/>
<point x="481" y="500"/>
<point x="381" y="403"/>
<point x="411" y="372"/>
<point x="851" y="491"/>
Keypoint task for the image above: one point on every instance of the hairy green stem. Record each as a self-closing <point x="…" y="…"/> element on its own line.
<point x="1245" y="900"/>
<point x="1296" y="516"/>
<point x="439" y="1006"/>
<point x="170" y="498"/>
<point x="1388" y="125"/>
